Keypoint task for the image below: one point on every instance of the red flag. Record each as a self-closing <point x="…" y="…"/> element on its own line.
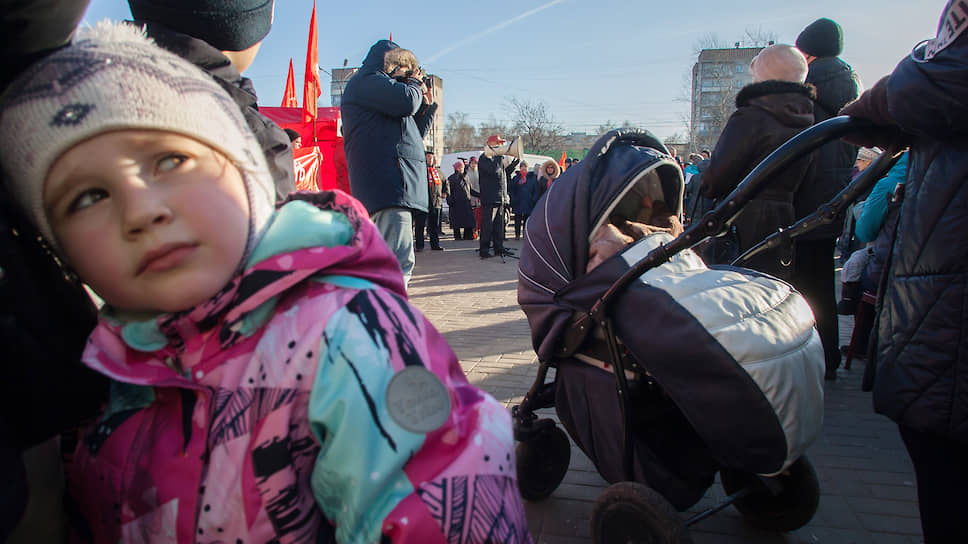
<point x="561" y="161"/>
<point x="391" y="36"/>
<point x="311" y="86"/>
<point x="289" y="97"/>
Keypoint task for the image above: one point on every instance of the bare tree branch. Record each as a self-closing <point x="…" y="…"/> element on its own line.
<point x="535" y="124"/>
<point x="459" y="134"/>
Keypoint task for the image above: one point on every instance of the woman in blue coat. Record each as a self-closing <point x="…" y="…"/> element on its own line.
<point x="524" y="194"/>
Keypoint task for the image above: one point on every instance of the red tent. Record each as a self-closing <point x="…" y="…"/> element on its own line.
<point x="323" y="165"/>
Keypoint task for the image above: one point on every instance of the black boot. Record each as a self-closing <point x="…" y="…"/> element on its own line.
<point x="850" y="293"/>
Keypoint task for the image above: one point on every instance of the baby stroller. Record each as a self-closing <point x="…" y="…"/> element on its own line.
<point x="650" y="382"/>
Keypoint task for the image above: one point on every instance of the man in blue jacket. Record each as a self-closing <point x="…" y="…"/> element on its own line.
<point x="386" y="110"/>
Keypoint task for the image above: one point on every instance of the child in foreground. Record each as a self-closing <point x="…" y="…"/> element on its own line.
<point x="270" y="381"/>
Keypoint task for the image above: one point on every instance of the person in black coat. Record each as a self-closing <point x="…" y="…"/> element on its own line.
<point x="46" y="392"/>
<point x="222" y="37"/>
<point x="495" y="167"/>
<point x="821" y="42"/>
<point x="770" y="111"/>
<point x="459" y="203"/>
<point x="920" y="344"/>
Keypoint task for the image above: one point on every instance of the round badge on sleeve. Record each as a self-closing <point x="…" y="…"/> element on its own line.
<point x="417" y="400"/>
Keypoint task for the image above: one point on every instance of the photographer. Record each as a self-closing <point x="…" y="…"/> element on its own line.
<point x="387" y="108"/>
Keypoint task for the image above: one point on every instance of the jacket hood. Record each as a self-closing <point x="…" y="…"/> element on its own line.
<point x="555" y="249"/>
<point x="374" y="59"/>
<point x="790" y="103"/>
<point x="314" y="235"/>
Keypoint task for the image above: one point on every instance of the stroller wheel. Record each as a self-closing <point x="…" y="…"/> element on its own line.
<point x="542" y="463"/>
<point x="630" y="512"/>
<point x="791" y="506"/>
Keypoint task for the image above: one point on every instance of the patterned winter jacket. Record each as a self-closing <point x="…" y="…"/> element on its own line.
<point x="305" y="402"/>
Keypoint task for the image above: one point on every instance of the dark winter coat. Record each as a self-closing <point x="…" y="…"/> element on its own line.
<point x="922" y="337"/>
<point x="273" y="140"/>
<point x="459" y="200"/>
<point x="45" y="318"/>
<point x="384" y="121"/>
<point x="524" y="194"/>
<point x="494" y="174"/>
<point x="768" y="114"/>
<point x="836" y="85"/>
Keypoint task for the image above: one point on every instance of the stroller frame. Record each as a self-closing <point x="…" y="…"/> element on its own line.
<point x="527" y="425"/>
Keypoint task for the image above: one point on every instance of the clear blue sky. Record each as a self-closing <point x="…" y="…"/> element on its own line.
<point x="589" y="61"/>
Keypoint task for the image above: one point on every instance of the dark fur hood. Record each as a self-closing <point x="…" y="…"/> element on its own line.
<point x="790" y="103"/>
<point x="773" y="86"/>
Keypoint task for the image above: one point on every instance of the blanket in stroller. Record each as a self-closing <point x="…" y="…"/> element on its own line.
<point x="735" y="350"/>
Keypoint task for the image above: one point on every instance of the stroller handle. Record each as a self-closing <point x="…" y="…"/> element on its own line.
<point x="717" y="221"/>
<point x="829" y="211"/>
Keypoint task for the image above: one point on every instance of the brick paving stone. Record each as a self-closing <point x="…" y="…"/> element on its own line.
<point x="867" y="483"/>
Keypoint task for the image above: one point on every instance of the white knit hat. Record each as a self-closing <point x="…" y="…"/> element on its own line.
<point x="111" y="78"/>
<point x="868" y="154"/>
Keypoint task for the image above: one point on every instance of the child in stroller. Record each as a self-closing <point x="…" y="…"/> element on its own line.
<point x="715" y="369"/>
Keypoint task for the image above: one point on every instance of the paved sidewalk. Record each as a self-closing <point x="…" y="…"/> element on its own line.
<point x="866" y="479"/>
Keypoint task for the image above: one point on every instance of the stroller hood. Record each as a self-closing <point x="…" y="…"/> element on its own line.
<point x="734" y="349"/>
<point x="555" y="251"/>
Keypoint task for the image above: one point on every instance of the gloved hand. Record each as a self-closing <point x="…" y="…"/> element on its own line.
<point x="872" y="105"/>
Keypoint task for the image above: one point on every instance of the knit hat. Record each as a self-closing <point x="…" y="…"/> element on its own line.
<point x="459" y="165"/>
<point x="227" y="25"/>
<point x="821" y="38"/>
<point x="113" y="78"/>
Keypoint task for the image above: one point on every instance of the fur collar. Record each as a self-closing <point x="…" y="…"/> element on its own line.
<point x="773" y="86"/>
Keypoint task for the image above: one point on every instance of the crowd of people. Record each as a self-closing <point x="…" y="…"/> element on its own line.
<point x="247" y="342"/>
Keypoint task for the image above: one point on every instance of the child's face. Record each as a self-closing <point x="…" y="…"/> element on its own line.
<point x="152" y="221"/>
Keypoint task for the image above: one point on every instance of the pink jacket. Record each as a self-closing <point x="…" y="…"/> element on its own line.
<point x="306" y="402"/>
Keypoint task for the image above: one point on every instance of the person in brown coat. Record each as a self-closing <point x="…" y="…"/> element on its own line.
<point x="771" y="110"/>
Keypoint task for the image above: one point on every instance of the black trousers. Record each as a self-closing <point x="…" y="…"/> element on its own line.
<point x="813" y="276"/>
<point x="492" y="228"/>
<point x="430" y="222"/>
<point x="941" y="469"/>
<point x="519" y="221"/>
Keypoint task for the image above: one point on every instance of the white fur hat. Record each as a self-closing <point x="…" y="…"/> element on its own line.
<point x="111" y="78"/>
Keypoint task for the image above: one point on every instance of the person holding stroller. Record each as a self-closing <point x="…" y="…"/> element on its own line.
<point x="919" y="350"/>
